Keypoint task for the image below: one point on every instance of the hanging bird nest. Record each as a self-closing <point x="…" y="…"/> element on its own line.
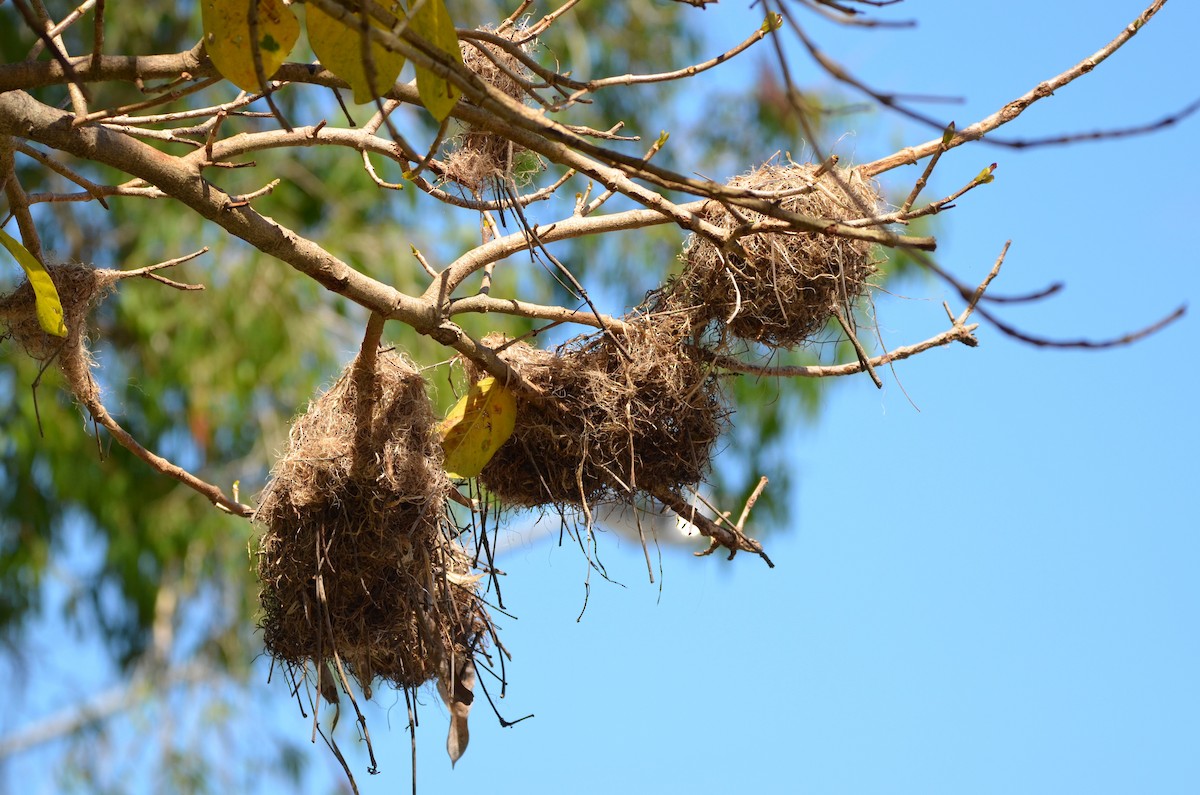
<point x="788" y="285"/>
<point x="80" y="288"/>
<point x="637" y="417"/>
<point x="477" y="158"/>
<point x="358" y="560"/>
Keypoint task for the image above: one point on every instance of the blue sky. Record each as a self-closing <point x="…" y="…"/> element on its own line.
<point x="993" y="592"/>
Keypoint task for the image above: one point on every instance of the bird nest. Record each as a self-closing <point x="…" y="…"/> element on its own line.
<point x="782" y="288"/>
<point x="477" y="157"/>
<point x="630" y="413"/>
<point x="358" y="563"/>
<point x="80" y="288"/>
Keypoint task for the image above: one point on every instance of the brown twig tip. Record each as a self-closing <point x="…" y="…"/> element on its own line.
<point x="149" y="272"/>
<point x="720" y="534"/>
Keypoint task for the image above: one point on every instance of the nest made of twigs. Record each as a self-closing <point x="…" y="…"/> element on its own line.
<point x="618" y="427"/>
<point x="357" y="559"/>
<point x="80" y="288"/>
<point x="789" y="285"/>
<point x="477" y="158"/>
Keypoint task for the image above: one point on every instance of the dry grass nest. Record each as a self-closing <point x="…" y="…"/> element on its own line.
<point x="477" y="158"/>
<point x="80" y="288"/>
<point x="621" y="427"/>
<point x="357" y="557"/>
<point x="786" y="288"/>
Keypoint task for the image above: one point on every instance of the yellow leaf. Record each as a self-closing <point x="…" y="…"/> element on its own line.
<point x="476" y="427"/>
<point x="45" y="295"/>
<point x="432" y="22"/>
<point x="230" y="46"/>
<point x="340" y="49"/>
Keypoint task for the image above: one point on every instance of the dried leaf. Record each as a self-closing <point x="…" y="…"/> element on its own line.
<point x="230" y="46"/>
<point x="432" y="22"/>
<point x="327" y="687"/>
<point x="458" y="697"/>
<point x="327" y="684"/>
<point x="476" y="427"/>
<point x="340" y="49"/>
<point x="465" y="580"/>
<point x="49" y="308"/>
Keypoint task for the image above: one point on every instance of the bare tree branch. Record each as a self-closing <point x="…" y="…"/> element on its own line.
<point x="1016" y="107"/>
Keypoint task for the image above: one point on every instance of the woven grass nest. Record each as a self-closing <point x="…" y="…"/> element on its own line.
<point x="620" y="427"/>
<point x="786" y="288"/>
<point x="80" y="288"/>
<point x="476" y="157"/>
<point x="357" y="557"/>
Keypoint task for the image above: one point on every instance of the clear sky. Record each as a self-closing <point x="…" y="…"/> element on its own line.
<point x="993" y="592"/>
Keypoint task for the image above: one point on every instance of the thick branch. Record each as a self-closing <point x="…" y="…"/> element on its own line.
<point x="482" y="304"/>
<point x="28" y="75"/>
<point x="494" y="251"/>
<point x="526" y="127"/>
<point x="494" y="111"/>
<point x="21" y="115"/>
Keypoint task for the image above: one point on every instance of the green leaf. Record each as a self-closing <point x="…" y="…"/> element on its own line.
<point x="49" y="308"/>
<point x="948" y="135"/>
<point x="432" y="22"/>
<point x="477" y="426"/>
<point x="230" y="46"/>
<point x="340" y="49"/>
<point x="985" y="176"/>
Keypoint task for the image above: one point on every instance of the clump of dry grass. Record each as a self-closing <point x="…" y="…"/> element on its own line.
<point x="477" y="158"/>
<point x="619" y="425"/>
<point x="358" y="560"/>
<point x="788" y="285"/>
<point x="80" y="288"/>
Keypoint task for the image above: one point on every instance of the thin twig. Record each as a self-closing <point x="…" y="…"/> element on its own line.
<point x="863" y="358"/>
<point x="1017" y="106"/>
<point x="160" y="464"/>
<point x="92" y="188"/>
<point x="1084" y="344"/>
<point x="919" y="185"/>
<point x="729" y="537"/>
<point x="769" y="26"/>
<point x="149" y="272"/>
<point x="64" y="23"/>
<point x="962" y="334"/>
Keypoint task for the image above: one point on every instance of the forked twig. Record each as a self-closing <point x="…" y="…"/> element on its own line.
<point x="726" y="535"/>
